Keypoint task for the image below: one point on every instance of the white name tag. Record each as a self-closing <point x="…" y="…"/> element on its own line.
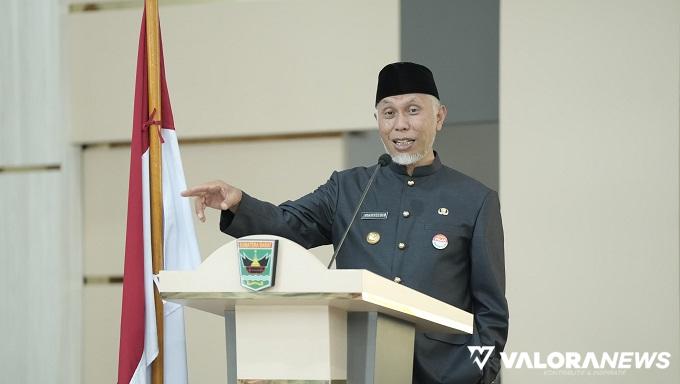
<point x="373" y="215"/>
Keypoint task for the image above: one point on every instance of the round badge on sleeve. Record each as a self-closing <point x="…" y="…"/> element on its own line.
<point x="440" y="241"/>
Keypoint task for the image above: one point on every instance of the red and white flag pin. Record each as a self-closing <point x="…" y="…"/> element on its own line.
<point x="440" y="241"/>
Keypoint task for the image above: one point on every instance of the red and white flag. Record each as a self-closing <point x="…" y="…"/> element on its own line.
<point x="138" y="338"/>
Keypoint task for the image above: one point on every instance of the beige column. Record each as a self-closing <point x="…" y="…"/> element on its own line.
<point x="589" y="180"/>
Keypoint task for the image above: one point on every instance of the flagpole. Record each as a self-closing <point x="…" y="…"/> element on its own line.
<point x="156" y="193"/>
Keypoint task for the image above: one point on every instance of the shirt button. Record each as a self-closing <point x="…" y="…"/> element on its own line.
<point x="410" y="183"/>
<point x="401" y="245"/>
<point x="397" y="280"/>
<point x="406" y="213"/>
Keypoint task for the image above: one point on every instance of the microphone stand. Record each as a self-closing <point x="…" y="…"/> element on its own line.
<point x="382" y="161"/>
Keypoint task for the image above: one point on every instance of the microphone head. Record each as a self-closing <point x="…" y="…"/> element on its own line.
<point x="384" y="159"/>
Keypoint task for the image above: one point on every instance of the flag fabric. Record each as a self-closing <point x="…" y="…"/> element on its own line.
<point x="138" y="339"/>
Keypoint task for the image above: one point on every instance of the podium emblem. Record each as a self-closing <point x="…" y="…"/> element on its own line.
<point x="257" y="263"/>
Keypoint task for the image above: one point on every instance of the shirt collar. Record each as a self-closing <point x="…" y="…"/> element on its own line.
<point x="424" y="170"/>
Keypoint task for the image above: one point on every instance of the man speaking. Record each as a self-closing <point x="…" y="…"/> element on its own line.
<point x="421" y="224"/>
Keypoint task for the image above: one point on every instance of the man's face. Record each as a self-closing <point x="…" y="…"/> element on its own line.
<point x="408" y="125"/>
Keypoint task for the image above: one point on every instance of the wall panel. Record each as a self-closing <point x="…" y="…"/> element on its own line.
<point x="589" y="178"/>
<point x="101" y="332"/>
<point x="30" y="107"/>
<point x="35" y="302"/>
<point x="458" y="41"/>
<point x="236" y="67"/>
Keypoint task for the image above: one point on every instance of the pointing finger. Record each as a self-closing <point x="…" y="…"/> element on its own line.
<point x="195" y="191"/>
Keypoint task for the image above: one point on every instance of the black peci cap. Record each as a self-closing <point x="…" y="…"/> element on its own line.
<point x="402" y="78"/>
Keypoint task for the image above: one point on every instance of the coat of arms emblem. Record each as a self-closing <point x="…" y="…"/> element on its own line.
<point x="257" y="263"/>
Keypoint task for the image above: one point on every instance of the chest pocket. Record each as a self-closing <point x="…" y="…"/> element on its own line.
<point x="455" y="241"/>
<point x="449" y="229"/>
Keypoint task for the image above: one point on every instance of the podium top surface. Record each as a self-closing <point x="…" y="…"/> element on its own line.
<point x="301" y="279"/>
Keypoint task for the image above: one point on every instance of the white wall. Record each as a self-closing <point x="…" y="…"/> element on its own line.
<point x="589" y="180"/>
<point x="31" y="112"/>
<point x="40" y="273"/>
<point x="256" y="67"/>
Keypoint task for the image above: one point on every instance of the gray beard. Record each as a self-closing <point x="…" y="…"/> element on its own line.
<point x="407" y="158"/>
<point x="404" y="158"/>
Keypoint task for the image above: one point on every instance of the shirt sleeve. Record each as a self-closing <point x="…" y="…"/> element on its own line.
<point x="487" y="282"/>
<point x="308" y="221"/>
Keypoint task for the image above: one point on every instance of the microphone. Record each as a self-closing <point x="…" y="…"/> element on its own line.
<point x="383" y="160"/>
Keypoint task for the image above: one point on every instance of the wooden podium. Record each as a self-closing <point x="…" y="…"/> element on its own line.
<point x="315" y="325"/>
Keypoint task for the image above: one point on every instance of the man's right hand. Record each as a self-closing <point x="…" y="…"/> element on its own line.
<point x="215" y="194"/>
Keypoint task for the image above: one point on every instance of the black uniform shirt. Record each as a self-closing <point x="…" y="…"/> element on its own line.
<point x="411" y="214"/>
